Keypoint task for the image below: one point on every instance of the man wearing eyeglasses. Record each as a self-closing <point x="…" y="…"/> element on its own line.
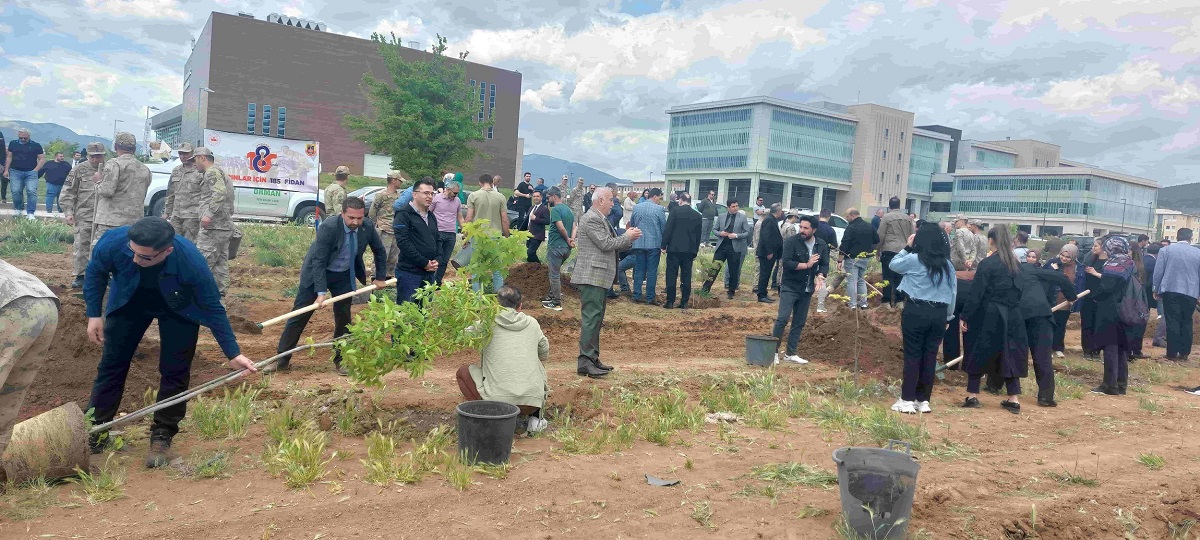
<point x="417" y="234"/>
<point x="151" y="274"/>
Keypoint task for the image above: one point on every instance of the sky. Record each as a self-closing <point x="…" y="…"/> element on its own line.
<point x="1116" y="83"/>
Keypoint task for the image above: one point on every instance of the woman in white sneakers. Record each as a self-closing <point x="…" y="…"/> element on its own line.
<point x="930" y="285"/>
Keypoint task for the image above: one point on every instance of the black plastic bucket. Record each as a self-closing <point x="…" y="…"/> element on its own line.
<point x="760" y="350"/>
<point x="485" y="430"/>
<point x="877" y="487"/>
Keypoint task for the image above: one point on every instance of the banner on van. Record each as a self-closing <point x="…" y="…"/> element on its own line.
<point x="267" y="163"/>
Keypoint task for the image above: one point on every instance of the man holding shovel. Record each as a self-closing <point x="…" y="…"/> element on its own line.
<point x="28" y="318"/>
<point x="154" y="275"/>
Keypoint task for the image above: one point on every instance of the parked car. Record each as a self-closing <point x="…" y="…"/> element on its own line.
<point x="837" y="222"/>
<point x="367" y="194"/>
<point x="248" y="203"/>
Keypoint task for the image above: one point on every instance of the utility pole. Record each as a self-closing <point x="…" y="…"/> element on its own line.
<point x="115" y="122"/>
<point x="146" y="130"/>
<point x="1122" y="216"/>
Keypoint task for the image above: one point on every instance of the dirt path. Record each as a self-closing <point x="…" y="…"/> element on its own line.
<point x="986" y="473"/>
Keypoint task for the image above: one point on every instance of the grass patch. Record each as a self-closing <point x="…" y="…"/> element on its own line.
<point x="606" y="435"/>
<point x="949" y="450"/>
<point x="225" y="417"/>
<point x="107" y="484"/>
<point x="1152" y="461"/>
<point x="280" y="246"/>
<point x="1069" y="388"/>
<point x="1158" y="373"/>
<point x="209" y="465"/>
<point x="869" y="423"/>
<point x="702" y="513"/>
<point x="1073" y="477"/>
<point x="20" y="237"/>
<point x="299" y="459"/>
<point x="1149" y="405"/>
<point x="27" y="500"/>
<point x="810" y="511"/>
<point x="381" y="459"/>
<point x="793" y="474"/>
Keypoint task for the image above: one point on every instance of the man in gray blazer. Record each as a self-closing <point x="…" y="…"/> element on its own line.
<point x="595" y="270"/>
<point x="733" y="232"/>
<point x="333" y="260"/>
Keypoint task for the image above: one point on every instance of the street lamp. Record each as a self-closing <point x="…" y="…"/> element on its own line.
<point x="146" y="131"/>
<point x="1122" y="216"/>
<point x="115" y="122"/>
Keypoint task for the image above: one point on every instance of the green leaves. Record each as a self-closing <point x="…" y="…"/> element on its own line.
<point x="387" y="336"/>
<point x="492" y="250"/>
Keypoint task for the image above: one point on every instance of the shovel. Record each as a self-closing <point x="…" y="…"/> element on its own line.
<point x="1066" y="304"/>
<point x="54" y="444"/>
<point x="327" y="302"/>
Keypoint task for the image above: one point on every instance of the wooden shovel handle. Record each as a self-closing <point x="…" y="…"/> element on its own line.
<point x="1064" y="305"/>
<point x="327" y="302"/>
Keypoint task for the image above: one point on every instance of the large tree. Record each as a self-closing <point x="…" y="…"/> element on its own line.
<point x="425" y="117"/>
<point x="58" y="145"/>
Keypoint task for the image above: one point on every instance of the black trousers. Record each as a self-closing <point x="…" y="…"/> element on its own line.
<point x="890" y="294"/>
<point x="1060" y="329"/>
<point x="1013" y="384"/>
<point x="123" y="331"/>
<point x="733" y="268"/>
<point x="1041" y="340"/>
<point x="1178" y="310"/>
<point x="952" y="340"/>
<point x="3" y="187"/>
<point x="1116" y="367"/>
<point x="445" y="246"/>
<point x="531" y="247"/>
<point x="339" y="283"/>
<point x="766" y="269"/>
<point x="679" y="267"/>
<point x="1087" y="321"/>
<point x="923" y="327"/>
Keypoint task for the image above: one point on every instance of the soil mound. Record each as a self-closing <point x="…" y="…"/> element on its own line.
<point x="69" y="369"/>
<point x="830" y="337"/>
<point x="533" y="280"/>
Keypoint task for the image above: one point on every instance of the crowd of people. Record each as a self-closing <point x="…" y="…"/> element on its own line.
<point x="963" y="287"/>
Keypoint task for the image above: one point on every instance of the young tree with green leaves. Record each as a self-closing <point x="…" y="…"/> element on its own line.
<point x="425" y="116"/>
<point x="58" y="145"/>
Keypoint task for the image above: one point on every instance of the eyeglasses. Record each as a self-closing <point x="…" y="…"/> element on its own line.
<point x="424" y="192"/>
<point x="147" y="258"/>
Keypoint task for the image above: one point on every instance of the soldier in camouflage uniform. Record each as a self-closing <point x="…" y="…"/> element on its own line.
<point x="79" y="205"/>
<point x="183" y="195"/>
<point x="216" y="217"/>
<point x="121" y="195"/>
<point x="28" y="319"/>
<point x="336" y="192"/>
<point x="381" y="213"/>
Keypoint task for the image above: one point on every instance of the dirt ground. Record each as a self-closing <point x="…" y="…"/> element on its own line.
<point x="1005" y="480"/>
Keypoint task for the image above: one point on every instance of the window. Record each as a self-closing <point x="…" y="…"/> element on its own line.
<point x="897" y="178"/>
<point x="885" y="133"/>
<point x="880" y="176"/>
<point x="803" y="197"/>
<point x="1035" y="162"/>
<point x="716" y="117"/>
<point x="279" y="128"/>
<point x="250" y="118"/>
<point x="939" y="207"/>
<point x="885" y="154"/>
<point x="943" y="187"/>
<point x="266" y="122"/>
<point x="489" y="135"/>
<point x="901" y="135"/>
<point x="482" y="95"/>
<point x="900" y="157"/>
<point x="979" y="155"/>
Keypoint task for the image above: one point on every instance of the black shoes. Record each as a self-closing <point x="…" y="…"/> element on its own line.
<point x="766" y="300"/>
<point x="340" y="369"/>
<point x="592" y="371"/>
<point x="78" y="283"/>
<point x="729" y="295"/>
<point x="638" y="301"/>
<point x="1047" y="403"/>
<point x="1011" y="406"/>
<point x="683" y="305"/>
<point x="602" y="366"/>
<point x="159" y="454"/>
<point x="1106" y="390"/>
<point x="669" y="305"/>
<point x="972" y="403"/>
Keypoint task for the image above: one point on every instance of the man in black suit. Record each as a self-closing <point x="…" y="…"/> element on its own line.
<point x="770" y="247"/>
<point x="333" y="261"/>
<point x="681" y="242"/>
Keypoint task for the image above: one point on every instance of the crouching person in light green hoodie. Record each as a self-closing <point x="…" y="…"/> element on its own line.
<point x="510" y="367"/>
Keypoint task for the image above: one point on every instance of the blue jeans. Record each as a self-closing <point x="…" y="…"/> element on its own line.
<point x="407" y="283"/>
<point x="856" y="283"/>
<point x="24" y="184"/>
<point x="52" y="191"/>
<point x="497" y="282"/>
<point x="626" y="263"/>
<point x="645" y="267"/>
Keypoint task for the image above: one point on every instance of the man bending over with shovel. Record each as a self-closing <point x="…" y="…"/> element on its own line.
<point x="155" y="275"/>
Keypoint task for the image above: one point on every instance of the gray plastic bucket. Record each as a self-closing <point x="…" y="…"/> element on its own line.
<point x="760" y="350"/>
<point x="485" y="430"/>
<point x="877" y="487"/>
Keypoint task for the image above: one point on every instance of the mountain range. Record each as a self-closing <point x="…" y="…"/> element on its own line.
<point x="552" y="169"/>
<point x="46" y="132"/>
<point x="1184" y="198"/>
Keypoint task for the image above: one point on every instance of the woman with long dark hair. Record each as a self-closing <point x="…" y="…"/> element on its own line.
<point x="930" y="285"/>
<point x="1065" y="263"/>
<point x="993" y="310"/>
<point x="1087" y="308"/>
<point x="1108" y="333"/>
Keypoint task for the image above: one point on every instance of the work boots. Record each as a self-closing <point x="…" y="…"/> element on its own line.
<point x="160" y="449"/>
<point x="78" y="283"/>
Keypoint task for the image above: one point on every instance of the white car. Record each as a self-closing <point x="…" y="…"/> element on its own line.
<point x="248" y="203"/>
<point x="837" y="222"/>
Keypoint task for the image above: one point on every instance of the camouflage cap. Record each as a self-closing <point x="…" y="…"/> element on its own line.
<point x="125" y="139"/>
<point x="185" y="148"/>
<point x="390" y="174"/>
<point x="95" y="149"/>
<point x="342" y="169"/>
<point x="975" y="222"/>
<point x="202" y="151"/>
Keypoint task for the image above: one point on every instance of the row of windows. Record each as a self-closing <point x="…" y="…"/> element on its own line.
<point x="716" y="117"/>
<point x="252" y="124"/>
<point x="939" y="207"/>
<point x="813" y="122"/>
<point x="1024" y="183"/>
<point x="995" y="160"/>
<point x="710" y="140"/>
<point x="928" y="147"/>
<point x="707" y="162"/>
<point x="809" y="145"/>
<point x="809" y="166"/>
<point x="943" y="187"/>
<point x="1021" y="207"/>
<point x="887" y="132"/>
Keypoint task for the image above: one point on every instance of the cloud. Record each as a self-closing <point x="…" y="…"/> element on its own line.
<point x="1123" y="92"/>
<point x="537" y="99"/>
<point x="1184" y="140"/>
<point x="140" y="9"/>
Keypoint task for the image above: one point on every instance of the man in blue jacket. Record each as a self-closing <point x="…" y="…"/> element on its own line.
<point x="154" y="275"/>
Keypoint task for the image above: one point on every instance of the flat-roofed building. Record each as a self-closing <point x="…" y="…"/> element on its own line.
<point x="1170" y="221"/>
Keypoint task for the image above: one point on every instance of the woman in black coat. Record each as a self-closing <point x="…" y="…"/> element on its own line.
<point x="1108" y="333"/>
<point x="1087" y="308"/>
<point x="993" y="312"/>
